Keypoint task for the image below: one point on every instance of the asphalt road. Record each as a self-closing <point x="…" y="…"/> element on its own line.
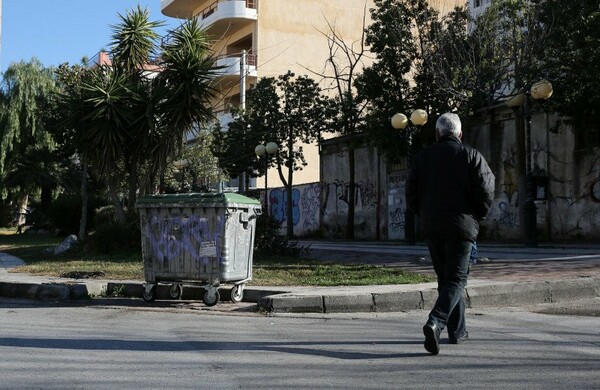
<point x="126" y="344"/>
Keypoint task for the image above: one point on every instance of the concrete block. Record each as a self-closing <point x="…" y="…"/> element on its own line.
<point x="53" y="292"/>
<point x="78" y="291"/>
<point x="398" y="301"/>
<point x="517" y="294"/>
<point x="255" y="294"/>
<point x="429" y="297"/>
<point x="574" y="289"/>
<point x="19" y="290"/>
<point x="348" y="303"/>
<point x="291" y="303"/>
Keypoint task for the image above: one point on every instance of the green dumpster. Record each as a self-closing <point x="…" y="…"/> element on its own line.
<point x="197" y="238"/>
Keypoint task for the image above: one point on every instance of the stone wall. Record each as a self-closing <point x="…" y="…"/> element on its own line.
<point x="571" y="210"/>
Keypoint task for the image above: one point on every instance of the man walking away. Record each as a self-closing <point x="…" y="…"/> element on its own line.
<point x="450" y="187"/>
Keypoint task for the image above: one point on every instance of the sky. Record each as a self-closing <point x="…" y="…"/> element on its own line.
<point x="57" y="31"/>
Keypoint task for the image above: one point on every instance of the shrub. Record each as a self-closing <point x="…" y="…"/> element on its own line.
<point x="268" y="241"/>
<point x="115" y="237"/>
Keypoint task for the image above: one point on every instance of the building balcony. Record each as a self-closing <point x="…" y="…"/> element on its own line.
<point x="229" y="65"/>
<point x="227" y="15"/>
<point x="214" y="15"/>
<point x="182" y="9"/>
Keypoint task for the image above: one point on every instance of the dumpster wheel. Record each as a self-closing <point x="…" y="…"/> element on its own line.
<point x="176" y="291"/>
<point x="211" y="296"/>
<point x="149" y="293"/>
<point x="237" y="293"/>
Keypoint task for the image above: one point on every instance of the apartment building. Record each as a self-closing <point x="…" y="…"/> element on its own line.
<point x="277" y="36"/>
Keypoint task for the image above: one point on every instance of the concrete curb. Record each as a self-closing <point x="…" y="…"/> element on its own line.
<point x="327" y="300"/>
<point x="501" y="294"/>
<point x="61" y="291"/>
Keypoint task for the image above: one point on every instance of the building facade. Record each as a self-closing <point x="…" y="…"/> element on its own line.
<point x="276" y="36"/>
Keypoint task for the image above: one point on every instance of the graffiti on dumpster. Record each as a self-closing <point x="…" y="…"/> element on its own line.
<point x="171" y="238"/>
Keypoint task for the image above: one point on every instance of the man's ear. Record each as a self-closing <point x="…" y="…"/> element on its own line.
<point x="460" y="135"/>
<point x="437" y="134"/>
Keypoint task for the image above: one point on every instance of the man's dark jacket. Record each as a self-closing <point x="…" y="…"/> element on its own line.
<point x="450" y="187"/>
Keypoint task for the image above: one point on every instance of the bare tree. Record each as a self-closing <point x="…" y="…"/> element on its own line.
<point x="345" y="62"/>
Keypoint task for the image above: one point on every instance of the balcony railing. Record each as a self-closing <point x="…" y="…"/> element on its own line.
<point x="250" y="57"/>
<point x="206" y="12"/>
<point x="231" y="63"/>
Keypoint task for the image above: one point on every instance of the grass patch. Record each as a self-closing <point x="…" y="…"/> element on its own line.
<point x="30" y="248"/>
<point x="333" y="275"/>
<point x="267" y="270"/>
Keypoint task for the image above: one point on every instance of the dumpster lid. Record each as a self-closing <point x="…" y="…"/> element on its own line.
<point x="197" y="199"/>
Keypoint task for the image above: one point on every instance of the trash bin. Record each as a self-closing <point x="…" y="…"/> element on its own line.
<point x="197" y="238"/>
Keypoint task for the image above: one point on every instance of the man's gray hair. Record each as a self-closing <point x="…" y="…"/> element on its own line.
<point x="448" y="124"/>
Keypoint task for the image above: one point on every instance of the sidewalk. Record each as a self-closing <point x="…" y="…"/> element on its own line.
<point x="506" y="276"/>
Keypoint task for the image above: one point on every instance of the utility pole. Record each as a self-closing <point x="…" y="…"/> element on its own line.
<point x="242" y="178"/>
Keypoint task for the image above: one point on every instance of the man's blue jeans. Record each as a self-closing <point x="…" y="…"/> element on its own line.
<point x="450" y="259"/>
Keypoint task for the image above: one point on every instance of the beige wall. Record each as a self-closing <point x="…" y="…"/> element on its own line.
<point x="292" y="35"/>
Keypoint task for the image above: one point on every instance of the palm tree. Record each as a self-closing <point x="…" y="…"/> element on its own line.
<point x="131" y="115"/>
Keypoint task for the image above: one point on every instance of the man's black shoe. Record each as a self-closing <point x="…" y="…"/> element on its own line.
<point x="453" y="340"/>
<point x="432" y="338"/>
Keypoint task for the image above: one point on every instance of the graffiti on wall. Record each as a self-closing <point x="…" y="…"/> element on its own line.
<point x="308" y="212"/>
<point x="305" y="207"/>
<point x="573" y="205"/>
<point x="508" y="210"/>
<point x="396" y="221"/>
<point x="577" y="213"/>
<point x="338" y="193"/>
<point x="278" y="205"/>
<point x="311" y="199"/>
<point x="396" y="205"/>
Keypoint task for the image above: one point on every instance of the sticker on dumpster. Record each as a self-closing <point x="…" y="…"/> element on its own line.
<point x="208" y="249"/>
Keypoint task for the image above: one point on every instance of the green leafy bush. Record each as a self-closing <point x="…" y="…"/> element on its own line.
<point x="268" y="241"/>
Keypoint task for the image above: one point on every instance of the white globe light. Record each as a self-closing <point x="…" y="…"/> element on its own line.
<point x="541" y="90"/>
<point x="399" y="121"/>
<point x="418" y="117"/>
<point x="272" y="148"/>
<point x="260" y="150"/>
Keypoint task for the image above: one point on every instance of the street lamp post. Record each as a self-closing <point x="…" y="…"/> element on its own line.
<point x="520" y="104"/>
<point x="400" y="122"/>
<point x="261" y="150"/>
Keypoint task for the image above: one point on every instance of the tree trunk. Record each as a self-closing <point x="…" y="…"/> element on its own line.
<point x="119" y="212"/>
<point x="289" y="187"/>
<point x="351" y="191"/>
<point x="84" y="201"/>
<point x="287" y="184"/>
<point x="132" y="185"/>
<point x="22" y="202"/>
